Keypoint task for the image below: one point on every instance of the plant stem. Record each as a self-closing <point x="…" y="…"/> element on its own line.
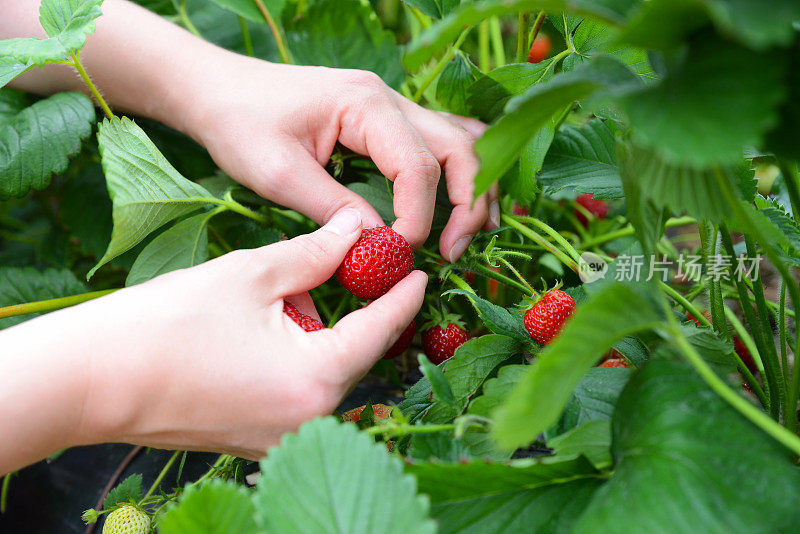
<point x="780" y="265"/>
<point x="629" y="231"/>
<point x="566" y="245"/>
<point x="76" y="62"/>
<point x="248" y="41"/>
<point x="538" y="239"/>
<point x="522" y="36"/>
<point x="241" y="210"/>
<point x="756" y="416"/>
<point x="498" y="47"/>
<point x="537" y="27"/>
<point x="161" y="475"/>
<point x="41" y="306"/>
<point x="484" y="58"/>
<point x="782" y="329"/>
<point x="440" y="65"/>
<point x="276" y="32"/>
<point x="186" y="20"/>
<point x="4" y="491"/>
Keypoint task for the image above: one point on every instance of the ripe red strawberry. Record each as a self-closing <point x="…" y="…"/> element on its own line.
<point x="696" y="321"/>
<point x="380" y="258"/>
<point x="540" y="49"/>
<point x="545" y="319"/>
<point x="306" y="322"/>
<point x="595" y="206"/>
<point x="440" y="343"/>
<point x="519" y="210"/>
<point x="403" y="342"/>
<point x="615" y="362"/>
<point x="381" y="411"/>
<point x="747" y="358"/>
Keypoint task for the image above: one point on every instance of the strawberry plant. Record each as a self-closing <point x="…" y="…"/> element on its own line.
<point x="647" y="164"/>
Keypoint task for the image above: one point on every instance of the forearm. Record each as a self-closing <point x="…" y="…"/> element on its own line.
<point x="141" y="63"/>
<point x="42" y="390"/>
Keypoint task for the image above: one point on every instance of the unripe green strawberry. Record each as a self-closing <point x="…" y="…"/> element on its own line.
<point x="127" y="519"/>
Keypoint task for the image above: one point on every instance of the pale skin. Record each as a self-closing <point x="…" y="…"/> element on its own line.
<point x="204" y="358"/>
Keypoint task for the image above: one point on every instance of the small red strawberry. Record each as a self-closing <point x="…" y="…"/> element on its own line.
<point x="741" y="350"/>
<point x="306" y="322"/>
<point x="441" y="336"/>
<point x="615" y="362"/>
<point x="545" y="319"/>
<point x="519" y="210"/>
<point x="696" y="321"/>
<point x="381" y="411"/>
<point x="540" y="49"/>
<point x="595" y="206"/>
<point x="380" y="258"/>
<point x="403" y="342"/>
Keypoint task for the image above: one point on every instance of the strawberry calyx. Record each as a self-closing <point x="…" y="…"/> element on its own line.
<point x="435" y="317"/>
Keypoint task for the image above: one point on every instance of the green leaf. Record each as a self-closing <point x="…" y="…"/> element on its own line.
<point x="66" y="22"/>
<point x="129" y="490"/>
<point x="39" y="139"/>
<point x="146" y="190"/>
<point x="782" y="221"/>
<point x="685" y="119"/>
<point x="417" y="399"/>
<point x="466" y="371"/>
<point x="249" y="10"/>
<point x="216" y="507"/>
<point x="539" y="398"/>
<point x="592" y="440"/>
<point x="781" y="138"/>
<point x="593" y="399"/>
<point x="583" y="160"/>
<point x="440" y="35"/>
<point x="345" y="34"/>
<point x="502" y="143"/>
<point x="633" y="350"/>
<point x="497" y="319"/>
<point x="86" y="210"/>
<point x="184" y="245"/>
<point x="376" y="191"/>
<point x="531" y="495"/>
<point x="489" y="94"/>
<point x="23" y="285"/>
<point x="495" y="392"/>
<point x="760" y="25"/>
<point x="683" y="455"/>
<point x="329" y="477"/>
<point x="451" y="89"/>
<point x="439" y="384"/>
<point x="434" y="8"/>
<point x="439" y="445"/>
<point x="592" y="38"/>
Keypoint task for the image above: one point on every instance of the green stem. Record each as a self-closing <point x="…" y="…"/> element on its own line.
<point x="503" y="279"/>
<point x="516" y="273"/>
<point x="538" y="239"/>
<point x="161" y="476"/>
<point x="782" y="329"/>
<point x="240" y="209"/>
<point x="780" y="265"/>
<point x="4" y="491"/>
<point x="42" y="306"/>
<point x="76" y="62"/>
<point x="537" y="27"/>
<point x="498" y="47"/>
<point x="522" y="36"/>
<point x="484" y="53"/>
<point x="276" y="32"/>
<point x="755" y="415"/>
<point x="558" y="238"/>
<point x="186" y="20"/>
<point x="629" y="231"/>
<point x="248" y="41"/>
<point x="440" y="65"/>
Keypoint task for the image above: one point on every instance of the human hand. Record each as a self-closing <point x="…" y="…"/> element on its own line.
<point x="202" y="358"/>
<point x="273" y="128"/>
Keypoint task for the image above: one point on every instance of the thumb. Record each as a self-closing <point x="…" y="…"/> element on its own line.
<point x="308" y="260"/>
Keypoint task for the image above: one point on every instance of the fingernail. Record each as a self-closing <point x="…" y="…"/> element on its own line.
<point x="344" y="222"/>
<point x="494" y="213"/>
<point x="459" y="248"/>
